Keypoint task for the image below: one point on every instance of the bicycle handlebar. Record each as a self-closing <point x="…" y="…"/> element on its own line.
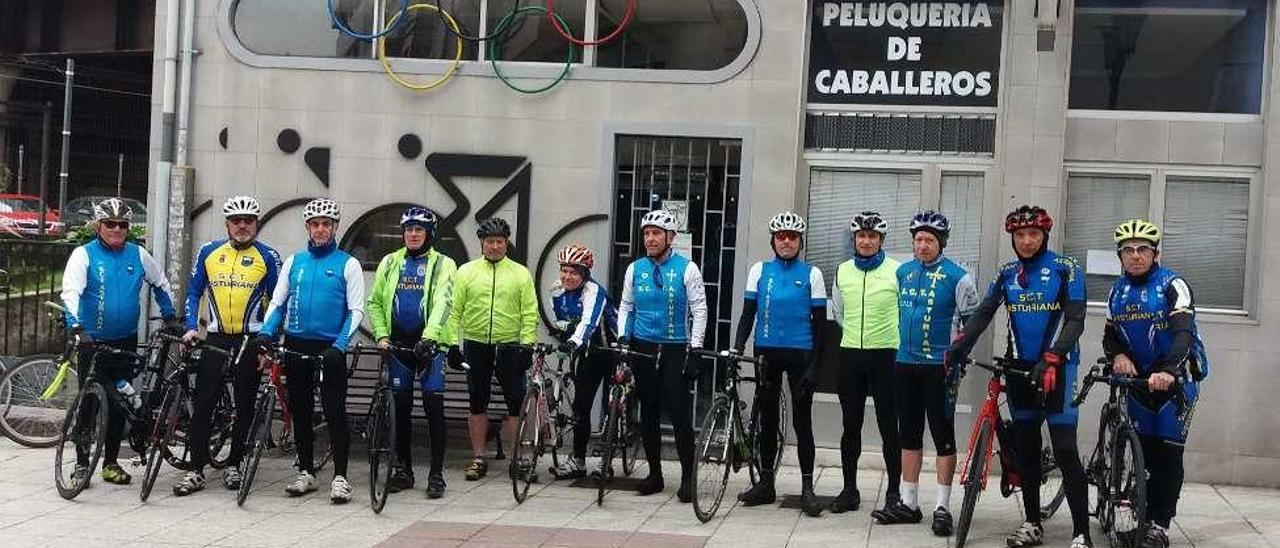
<point x="625" y="351"/>
<point x="728" y="356"/>
<point x="199" y="344"/>
<point x="1004" y="367"/>
<point x="1096" y="375"/>
<point x="278" y="351"/>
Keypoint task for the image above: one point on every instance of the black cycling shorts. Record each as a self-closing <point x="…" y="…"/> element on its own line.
<point x="508" y="362"/>
<point x="922" y="393"/>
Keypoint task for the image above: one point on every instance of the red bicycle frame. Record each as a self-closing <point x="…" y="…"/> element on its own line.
<point x="989" y="418"/>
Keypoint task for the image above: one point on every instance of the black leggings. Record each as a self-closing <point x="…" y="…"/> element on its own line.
<point x="487" y="359"/>
<point x="921" y="392"/>
<point x="794" y="363"/>
<point x="660" y="387"/>
<point x="209" y="384"/>
<point x="868" y="373"/>
<point x="109" y="369"/>
<point x="1062" y="437"/>
<point x="593" y="368"/>
<point x="300" y="386"/>
<point x="1164" y="481"/>
<point x="433" y="405"/>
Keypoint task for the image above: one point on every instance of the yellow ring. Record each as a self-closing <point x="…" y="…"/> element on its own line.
<point x="453" y="68"/>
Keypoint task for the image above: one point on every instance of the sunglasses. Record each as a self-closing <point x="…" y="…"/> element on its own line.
<point x="1137" y="250"/>
<point x="115" y="224"/>
<point x="242" y="220"/>
<point x="786" y="236"/>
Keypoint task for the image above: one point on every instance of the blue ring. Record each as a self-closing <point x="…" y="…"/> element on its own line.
<point x="342" y="27"/>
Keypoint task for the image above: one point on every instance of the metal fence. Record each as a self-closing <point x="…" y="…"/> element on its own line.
<point x="30" y="274"/>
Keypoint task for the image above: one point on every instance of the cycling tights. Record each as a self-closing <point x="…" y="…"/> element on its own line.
<point x="209" y="385"/>
<point x="109" y="369"/>
<point x="661" y="387"/>
<point x="1164" y="482"/>
<point x="593" y="367"/>
<point x="300" y="384"/>
<point x="794" y="363"/>
<point x="868" y="373"/>
<point x="1062" y="437"/>
<point x="432" y="404"/>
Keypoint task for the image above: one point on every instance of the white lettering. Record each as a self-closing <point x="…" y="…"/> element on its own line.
<point x="942" y="83"/>
<point x="859" y="17"/>
<point x="981" y="16"/>
<point x="895" y="87"/>
<point x="926" y="82"/>
<point x="897" y="15"/>
<point x="919" y="14"/>
<point x="875" y="17"/>
<point x="897" y="48"/>
<point x="962" y="83"/>
<point x="951" y="15"/>
<point x="840" y="84"/>
<point x="861" y="82"/>
<point x="830" y="11"/>
<point x="847" y="13"/>
<point x="910" y="86"/>
<point x="935" y="15"/>
<point x="822" y="81"/>
<point x="984" y="84"/>
<point x="879" y="84"/>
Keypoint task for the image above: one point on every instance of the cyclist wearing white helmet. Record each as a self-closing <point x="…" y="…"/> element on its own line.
<point x="864" y="301"/>
<point x="785" y="304"/>
<point x="234" y="276"/>
<point x="936" y="297"/>
<point x="408" y="304"/>
<point x="318" y="304"/>
<point x="663" y="313"/>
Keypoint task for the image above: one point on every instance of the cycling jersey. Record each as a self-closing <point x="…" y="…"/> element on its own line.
<point x="661" y="299"/>
<point x="934" y="300"/>
<point x="101" y="289"/>
<point x="411" y="292"/>
<point x="582" y="311"/>
<point x="235" y="283"/>
<point x="320" y="297"/>
<point x="492" y="303"/>
<point x="785" y="292"/>
<point x="865" y="303"/>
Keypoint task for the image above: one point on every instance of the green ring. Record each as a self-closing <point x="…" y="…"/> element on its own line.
<point x="506" y="22"/>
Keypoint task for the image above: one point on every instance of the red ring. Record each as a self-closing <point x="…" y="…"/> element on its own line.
<point x="555" y="24"/>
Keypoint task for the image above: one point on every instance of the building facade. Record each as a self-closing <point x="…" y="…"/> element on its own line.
<point x="730" y="111"/>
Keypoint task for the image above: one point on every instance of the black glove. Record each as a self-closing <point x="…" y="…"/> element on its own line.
<point x="263" y="342"/>
<point x="624" y="341"/>
<point x="334" y="355"/>
<point x="692" y="366"/>
<point x="454" y="358"/>
<point x="523" y="356"/>
<point x="424" y="349"/>
<point x="566" y="347"/>
<point x="173" y="326"/>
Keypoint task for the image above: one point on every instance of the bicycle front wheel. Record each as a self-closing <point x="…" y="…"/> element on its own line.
<point x="224" y="418"/>
<point x="715" y="459"/>
<point x="80" y="443"/>
<point x="162" y="431"/>
<point x="633" y="445"/>
<point x="1127" y="523"/>
<point x="974" y="472"/>
<point x="528" y="445"/>
<point x="1052" y="492"/>
<point x="29" y="417"/>
<point x="613" y="432"/>
<point x="381" y="438"/>
<point x="259" y="437"/>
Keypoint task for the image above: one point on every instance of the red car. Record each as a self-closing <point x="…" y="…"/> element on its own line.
<point x="20" y="216"/>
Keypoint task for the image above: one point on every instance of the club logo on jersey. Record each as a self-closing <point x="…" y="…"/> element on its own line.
<point x="246" y="261"/>
<point x="129" y="269"/>
<point x="799" y="283"/>
<point x="329" y="272"/>
<point x="422" y="270"/>
<point x="222" y="258"/>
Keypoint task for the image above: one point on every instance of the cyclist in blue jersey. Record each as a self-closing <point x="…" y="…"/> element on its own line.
<point x="785" y="301"/>
<point x="235" y="276"/>
<point x="101" y="289"/>
<point x="408" y="304"/>
<point x="583" y="318"/>
<point x="1044" y="295"/>
<point x="663" y="312"/>
<point x="1151" y="332"/>
<point x="935" y="297"/>
<point x="318" y="304"/>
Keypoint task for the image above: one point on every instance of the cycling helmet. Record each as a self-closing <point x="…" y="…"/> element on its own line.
<point x="869" y="220"/>
<point x="241" y="206"/>
<point x="112" y="208"/>
<point x="576" y="255"/>
<point x="660" y="218"/>
<point x="1138" y="229"/>
<point x="787" y="222"/>
<point x="419" y="216"/>
<point x="493" y="226"/>
<point x="1028" y="216"/>
<point x="321" y="207"/>
<point x="933" y="222"/>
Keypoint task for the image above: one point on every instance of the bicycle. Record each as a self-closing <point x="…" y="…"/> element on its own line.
<point x="175" y="399"/>
<point x="989" y="429"/>
<point x="725" y="444"/>
<point x="621" y="434"/>
<point x="1117" y="468"/>
<point x="544" y="422"/>
<point x="36" y="392"/>
<point x="380" y="427"/>
<point x="258" y="438"/>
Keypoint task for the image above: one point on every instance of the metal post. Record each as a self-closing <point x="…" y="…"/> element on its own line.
<point x="120" y="176"/>
<point x="22" y="156"/>
<point x="66" y="138"/>
<point x="44" y="163"/>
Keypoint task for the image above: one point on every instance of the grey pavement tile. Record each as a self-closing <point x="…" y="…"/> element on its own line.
<point x="614" y="515"/>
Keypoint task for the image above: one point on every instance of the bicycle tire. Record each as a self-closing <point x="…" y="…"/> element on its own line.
<point x="565" y="423"/>
<point x="91" y="395"/>
<point x="527" y="445"/>
<point x="28" y="418"/>
<point x="162" y="429"/>
<point x="1128" y="496"/>
<point x="1052" y="491"/>
<point x="611" y="432"/>
<point x="177" y="451"/>
<point x="381" y="439"/>
<point x="975" y="469"/>
<point x="715" y="444"/>
<point x="632" y="444"/>
<point x="260" y="434"/>
<point x="224" y="418"/>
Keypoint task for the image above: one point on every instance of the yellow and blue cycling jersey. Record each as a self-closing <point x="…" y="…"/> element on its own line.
<point x="235" y="283"/>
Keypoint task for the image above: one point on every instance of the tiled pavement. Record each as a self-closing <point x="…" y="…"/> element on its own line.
<point x="483" y="513"/>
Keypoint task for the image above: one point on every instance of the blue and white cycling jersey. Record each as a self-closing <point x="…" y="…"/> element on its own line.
<point x="320" y="297"/>
<point x="585" y="310"/>
<point x="102" y="288"/>
<point x="786" y="292"/>
<point x="663" y="301"/>
<point x="934" y="301"/>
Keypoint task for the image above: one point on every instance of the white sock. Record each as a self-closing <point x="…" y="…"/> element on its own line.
<point x="911" y="495"/>
<point x="944" y="497"/>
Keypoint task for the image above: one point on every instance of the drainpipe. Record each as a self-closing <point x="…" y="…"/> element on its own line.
<point x="160" y="206"/>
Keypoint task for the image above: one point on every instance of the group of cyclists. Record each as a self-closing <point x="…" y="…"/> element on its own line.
<point x="907" y="330"/>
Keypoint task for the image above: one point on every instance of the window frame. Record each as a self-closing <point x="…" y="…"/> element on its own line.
<point x="1158" y="175"/>
<point x="582" y="70"/>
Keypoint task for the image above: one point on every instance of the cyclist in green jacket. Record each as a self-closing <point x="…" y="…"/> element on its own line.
<point x="494" y="310"/>
<point x="864" y="301"/>
<point x="409" y="303"/>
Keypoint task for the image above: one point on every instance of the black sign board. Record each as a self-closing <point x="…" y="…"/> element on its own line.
<point x="905" y="53"/>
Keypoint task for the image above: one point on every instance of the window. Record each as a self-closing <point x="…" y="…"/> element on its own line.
<point x="423" y="34"/>
<point x="260" y="24"/>
<point x="962" y="204"/>
<point x="1169" y="55"/>
<point x="1207" y="243"/>
<point x="1096" y="204"/>
<point x="532" y="37"/>
<point x="835" y="196"/>
<point x="672" y="35"/>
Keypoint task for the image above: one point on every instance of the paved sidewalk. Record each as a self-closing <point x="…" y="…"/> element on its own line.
<point x="485" y="514"/>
